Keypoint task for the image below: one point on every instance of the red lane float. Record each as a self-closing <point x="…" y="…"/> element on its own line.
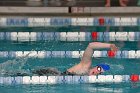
<point x="101" y="21"/>
<point x="111" y="53"/>
<point x="134" y="78"/>
<point x="94" y="35"/>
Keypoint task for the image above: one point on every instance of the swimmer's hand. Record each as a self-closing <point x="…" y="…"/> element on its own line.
<point x="114" y="47"/>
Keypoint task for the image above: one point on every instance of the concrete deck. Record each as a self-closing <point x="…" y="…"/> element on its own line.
<point x="30" y="10"/>
<point x="72" y="11"/>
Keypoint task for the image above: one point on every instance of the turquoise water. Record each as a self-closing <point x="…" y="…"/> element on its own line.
<point x="118" y="66"/>
<point x="81" y="88"/>
<point x="72" y="28"/>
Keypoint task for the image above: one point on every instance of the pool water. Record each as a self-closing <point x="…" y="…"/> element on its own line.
<point x="119" y="66"/>
<point x="82" y="88"/>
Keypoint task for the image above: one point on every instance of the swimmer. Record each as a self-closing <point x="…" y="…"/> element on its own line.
<point x="84" y="67"/>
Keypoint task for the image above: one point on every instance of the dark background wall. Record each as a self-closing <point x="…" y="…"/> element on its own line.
<point x="94" y="3"/>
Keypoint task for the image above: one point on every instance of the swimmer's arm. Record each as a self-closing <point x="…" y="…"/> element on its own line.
<point x="98" y="45"/>
<point x="87" y="56"/>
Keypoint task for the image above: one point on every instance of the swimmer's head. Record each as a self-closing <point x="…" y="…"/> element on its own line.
<point x="100" y="68"/>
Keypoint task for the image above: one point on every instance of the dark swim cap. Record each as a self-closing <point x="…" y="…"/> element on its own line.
<point x="104" y="66"/>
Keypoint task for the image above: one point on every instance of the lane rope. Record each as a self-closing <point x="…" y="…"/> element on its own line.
<point x="69" y="54"/>
<point x="65" y="21"/>
<point x="69" y="79"/>
<point x="70" y="36"/>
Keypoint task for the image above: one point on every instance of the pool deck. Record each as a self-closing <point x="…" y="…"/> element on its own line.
<point x="70" y="11"/>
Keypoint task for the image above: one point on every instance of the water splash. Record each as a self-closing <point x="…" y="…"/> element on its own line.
<point x="14" y="66"/>
<point x="117" y="68"/>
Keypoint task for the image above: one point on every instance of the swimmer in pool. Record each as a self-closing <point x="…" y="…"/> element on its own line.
<point x="84" y="67"/>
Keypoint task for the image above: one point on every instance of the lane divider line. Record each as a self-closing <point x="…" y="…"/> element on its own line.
<point x="69" y="79"/>
<point x="69" y="54"/>
<point x="70" y="36"/>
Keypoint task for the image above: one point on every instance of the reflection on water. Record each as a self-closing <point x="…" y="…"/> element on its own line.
<point x="113" y="88"/>
<point x="73" y="88"/>
<point x="105" y="90"/>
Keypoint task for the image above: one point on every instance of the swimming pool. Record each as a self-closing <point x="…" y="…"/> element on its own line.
<point x="30" y="43"/>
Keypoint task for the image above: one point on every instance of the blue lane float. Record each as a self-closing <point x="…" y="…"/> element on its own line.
<point x="17" y="21"/>
<point x="66" y="21"/>
<point x="60" y="21"/>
